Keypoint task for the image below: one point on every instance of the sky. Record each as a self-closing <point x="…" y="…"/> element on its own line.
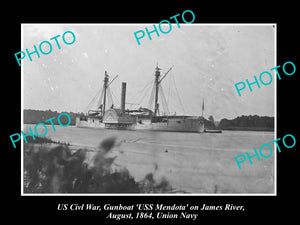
<point x="207" y="60"/>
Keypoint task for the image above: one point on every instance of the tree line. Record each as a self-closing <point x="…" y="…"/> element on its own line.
<point x="32" y="116"/>
<point x="251" y="122"/>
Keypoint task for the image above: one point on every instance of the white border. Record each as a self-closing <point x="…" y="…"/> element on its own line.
<point x="189" y="194"/>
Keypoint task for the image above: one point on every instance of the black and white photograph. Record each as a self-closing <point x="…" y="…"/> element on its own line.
<point x="149" y="113"/>
<point x="105" y="112"/>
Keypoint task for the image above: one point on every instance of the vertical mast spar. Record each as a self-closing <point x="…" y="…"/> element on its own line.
<point x="157" y="82"/>
<point x="157" y="75"/>
<point x="105" y="85"/>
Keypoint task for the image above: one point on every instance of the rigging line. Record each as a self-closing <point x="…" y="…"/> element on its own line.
<point x="100" y="99"/>
<point x="117" y="100"/>
<point x="151" y="99"/>
<point x="92" y="101"/>
<point x="180" y="102"/>
<point x="110" y="99"/>
<point x="169" y="90"/>
<point x="163" y="100"/>
<point x="142" y="98"/>
<point x="118" y="88"/>
<point x="148" y="84"/>
<point x="145" y="92"/>
<point x="141" y="93"/>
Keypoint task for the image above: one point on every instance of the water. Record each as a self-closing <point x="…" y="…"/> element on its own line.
<point x="192" y="162"/>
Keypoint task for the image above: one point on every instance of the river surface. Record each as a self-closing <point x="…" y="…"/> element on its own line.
<point x="197" y="163"/>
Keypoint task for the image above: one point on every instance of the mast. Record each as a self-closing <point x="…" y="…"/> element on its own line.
<point x="157" y="82"/>
<point x="157" y="75"/>
<point x="105" y="85"/>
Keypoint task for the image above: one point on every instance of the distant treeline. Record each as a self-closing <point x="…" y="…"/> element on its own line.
<point x="255" y="123"/>
<point x="32" y="116"/>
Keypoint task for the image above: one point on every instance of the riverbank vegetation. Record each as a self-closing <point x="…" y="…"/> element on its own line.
<point x="248" y="123"/>
<point x="60" y="170"/>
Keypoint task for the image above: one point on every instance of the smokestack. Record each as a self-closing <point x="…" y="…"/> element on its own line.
<point x="123" y="97"/>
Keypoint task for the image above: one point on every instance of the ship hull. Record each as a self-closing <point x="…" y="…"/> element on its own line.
<point x="113" y="120"/>
<point x="175" y="124"/>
